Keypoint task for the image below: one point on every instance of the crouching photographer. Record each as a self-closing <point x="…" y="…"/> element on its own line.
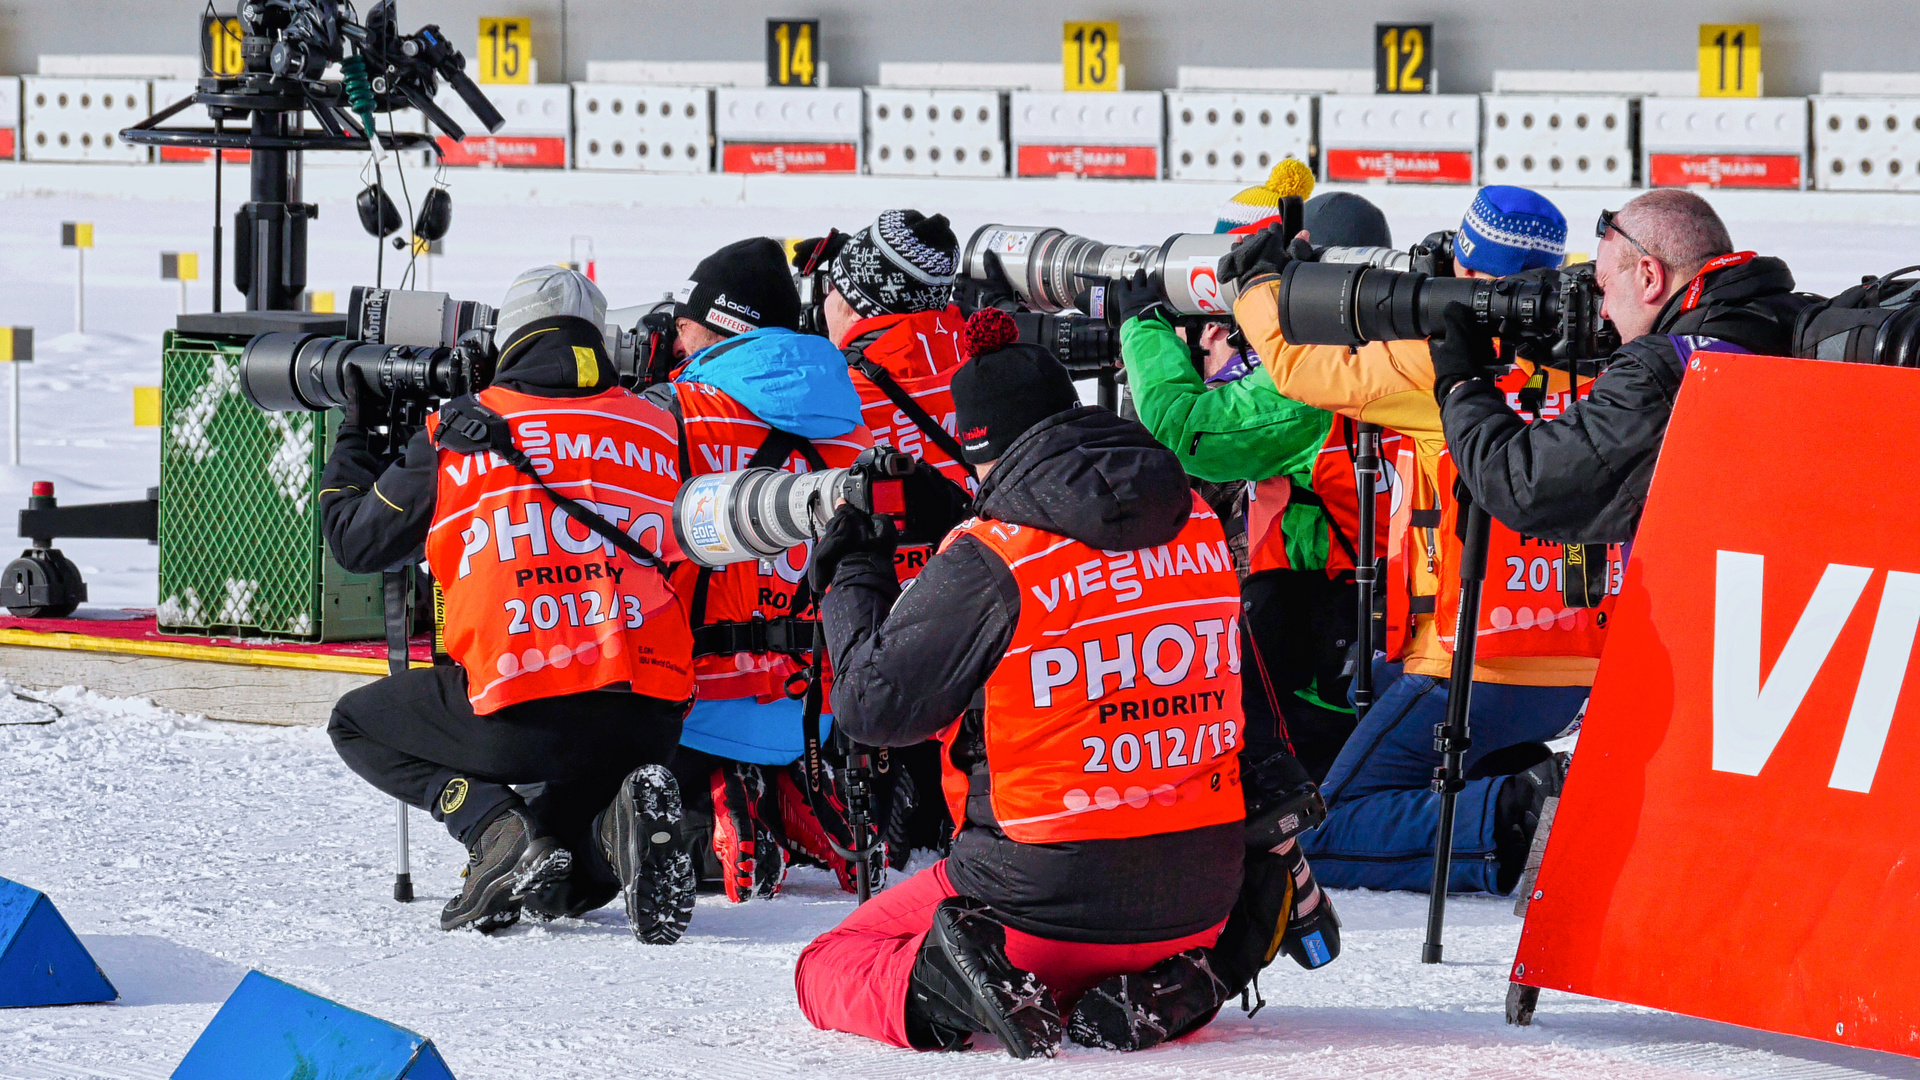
<point x="573" y="657"/>
<point x="1100" y="844"/>
<point x="1673" y="286"/>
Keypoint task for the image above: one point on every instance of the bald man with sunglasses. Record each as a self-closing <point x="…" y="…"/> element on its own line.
<point x="1673" y="286"/>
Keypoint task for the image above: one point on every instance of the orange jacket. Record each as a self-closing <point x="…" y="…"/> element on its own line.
<point x="1391" y="384"/>
<point x="538" y="605"/>
<point x="1116" y="712"/>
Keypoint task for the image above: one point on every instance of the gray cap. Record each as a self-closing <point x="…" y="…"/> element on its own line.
<point x="543" y="293"/>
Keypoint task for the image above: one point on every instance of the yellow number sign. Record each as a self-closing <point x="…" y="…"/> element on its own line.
<point x="222" y="48"/>
<point x="1730" y="60"/>
<point x="1090" y="56"/>
<point x="506" y="49"/>
<point x="1403" y="58"/>
<point x="792" y="45"/>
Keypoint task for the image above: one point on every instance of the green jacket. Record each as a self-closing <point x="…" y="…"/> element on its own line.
<point x="1242" y="430"/>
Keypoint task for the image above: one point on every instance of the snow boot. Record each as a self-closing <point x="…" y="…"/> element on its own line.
<point x="1139" y="1011"/>
<point x="639" y="834"/>
<point x="962" y="982"/>
<point x="507" y="862"/>
<point x="752" y="862"/>
<point x="1516" y="816"/>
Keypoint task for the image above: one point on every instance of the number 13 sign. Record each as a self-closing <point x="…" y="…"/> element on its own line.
<point x="1090" y="56"/>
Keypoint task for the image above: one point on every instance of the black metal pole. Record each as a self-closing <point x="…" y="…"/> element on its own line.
<point x="397" y="591"/>
<point x="1366" y="479"/>
<point x="219" y="234"/>
<point x="1453" y="737"/>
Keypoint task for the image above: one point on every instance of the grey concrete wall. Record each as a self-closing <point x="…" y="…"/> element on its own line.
<point x="1475" y="37"/>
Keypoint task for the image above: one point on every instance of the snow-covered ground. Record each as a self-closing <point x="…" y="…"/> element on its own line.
<point x="185" y="851"/>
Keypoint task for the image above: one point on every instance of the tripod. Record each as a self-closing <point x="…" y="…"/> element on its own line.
<point x="1453" y="737"/>
<point x="1366" y="483"/>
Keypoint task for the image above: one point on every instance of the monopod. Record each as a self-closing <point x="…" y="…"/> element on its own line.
<point x="1366" y="485"/>
<point x="1453" y="737"/>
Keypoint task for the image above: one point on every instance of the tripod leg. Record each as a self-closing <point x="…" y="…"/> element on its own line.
<point x="1453" y="738"/>
<point x="1366" y="474"/>
<point x="1521" y="1000"/>
<point x="402" y="859"/>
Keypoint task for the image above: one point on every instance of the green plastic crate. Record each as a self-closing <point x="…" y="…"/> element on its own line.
<point x="241" y="550"/>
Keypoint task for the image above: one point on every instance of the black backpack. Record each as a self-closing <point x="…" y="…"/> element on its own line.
<point x="1875" y="322"/>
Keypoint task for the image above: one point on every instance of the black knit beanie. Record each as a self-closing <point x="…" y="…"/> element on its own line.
<point x="744" y="286"/>
<point x="900" y="264"/>
<point x="1343" y="219"/>
<point x="1007" y="388"/>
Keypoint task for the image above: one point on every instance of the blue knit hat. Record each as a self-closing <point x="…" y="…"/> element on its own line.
<point x="1510" y="229"/>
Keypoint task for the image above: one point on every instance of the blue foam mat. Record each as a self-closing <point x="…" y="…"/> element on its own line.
<point x="41" y="961"/>
<point x="271" y="1030"/>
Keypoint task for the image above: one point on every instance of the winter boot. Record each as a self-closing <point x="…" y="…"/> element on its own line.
<point x="571" y="897"/>
<point x="640" y="836"/>
<point x="1516" y="816"/>
<point x="962" y="983"/>
<point x="817" y="830"/>
<point x="752" y="863"/>
<point x="1136" y="1012"/>
<point x="504" y="864"/>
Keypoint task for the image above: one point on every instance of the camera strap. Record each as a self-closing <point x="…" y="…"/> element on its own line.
<point x="469" y="427"/>
<point x="903" y="401"/>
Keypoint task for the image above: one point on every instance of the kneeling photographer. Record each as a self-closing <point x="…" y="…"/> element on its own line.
<point x="1531" y="674"/>
<point x="1673" y="286"/>
<point x="1099" y="851"/>
<point x="573" y="656"/>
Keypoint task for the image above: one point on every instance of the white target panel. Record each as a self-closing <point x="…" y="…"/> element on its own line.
<point x="642" y="128"/>
<point x="81" y="119"/>
<point x="9" y="117"/>
<point x="1056" y="133"/>
<point x="784" y="130"/>
<point x="1580" y="140"/>
<point x="1866" y="143"/>
<point x="914" y="132"/>
<point x="539" y="122"/>
<point x="1399" y="138"/>
<point x="1236" y="136"/>
<point x="1724" y="142"/>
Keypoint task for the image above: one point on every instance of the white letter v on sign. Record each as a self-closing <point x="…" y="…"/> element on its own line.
<point x="1749" y="717"/>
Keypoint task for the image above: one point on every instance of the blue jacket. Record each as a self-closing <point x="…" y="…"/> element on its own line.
<point x="796" y="382"/>
<point x="799" y="383"/>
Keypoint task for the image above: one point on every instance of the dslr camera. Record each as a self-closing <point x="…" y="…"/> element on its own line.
<point x="405" y="352"/>
<point x="640" y="340"/>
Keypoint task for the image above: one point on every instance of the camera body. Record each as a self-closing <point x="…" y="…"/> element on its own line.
<point x="750" y="514"/>
<point x="407" y="352"/>
<point x="640" y="339"/>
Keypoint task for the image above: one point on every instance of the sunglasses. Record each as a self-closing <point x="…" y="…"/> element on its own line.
<point x="1608" y="222"/>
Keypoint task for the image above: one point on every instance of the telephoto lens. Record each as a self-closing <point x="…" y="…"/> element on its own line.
<point x="726" y="518"/>
<point x="1052" y="270"/>
<point x="311" y="372"/>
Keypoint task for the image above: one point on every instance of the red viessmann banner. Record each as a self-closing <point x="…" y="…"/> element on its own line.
<point x="1126" y="162"/>
<point x="1740" y="836"/>
<point x="1402" y="166"/>
<point x="516" y="151"/>
<point x="1724" y="170"/>
<point x="754" y="157"/>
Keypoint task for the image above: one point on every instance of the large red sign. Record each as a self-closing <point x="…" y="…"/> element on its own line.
<point x="1724" y="170"/>
<point x="515" y="151"/>
<point x="754" y="157"/>
<point x="1739" y="838"/>
<point x="1128" y="162"/>
<point x="1401" y="166"/>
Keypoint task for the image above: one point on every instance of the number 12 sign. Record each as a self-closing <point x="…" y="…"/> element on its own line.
<point x="1090" y="56"/>
<point x="1403" y="58"/>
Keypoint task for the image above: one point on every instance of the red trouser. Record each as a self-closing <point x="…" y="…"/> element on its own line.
<point x="853" y="978"/>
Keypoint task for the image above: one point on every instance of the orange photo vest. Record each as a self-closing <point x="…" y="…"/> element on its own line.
<point x="1116" y="712"/>
<point x="537" y="604"/>
<point x="1334" y="482"/>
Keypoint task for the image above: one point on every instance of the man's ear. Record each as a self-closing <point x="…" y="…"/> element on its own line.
<point x="1655" y="279"/>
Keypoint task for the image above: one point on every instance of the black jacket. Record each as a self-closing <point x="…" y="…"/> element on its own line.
<point x="1582" y="477"/>
<point x="376" y="511"/>
<point x="903" y="671"/>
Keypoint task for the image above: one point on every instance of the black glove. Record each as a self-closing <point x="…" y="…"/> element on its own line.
<point x="1133" y="297"/>
<point x="351" y="412"/>
<point x="851" y="531"/>
<point x="991" y="291"/>
<point x="1462" y="350"/>
<point x="1265" y="252"/>
<point x="827" y="246"/>
<point x="935" y="505"/>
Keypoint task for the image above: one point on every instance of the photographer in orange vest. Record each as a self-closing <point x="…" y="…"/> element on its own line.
<point x="573" y="658"/>
<point x="1084" y="628"/>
